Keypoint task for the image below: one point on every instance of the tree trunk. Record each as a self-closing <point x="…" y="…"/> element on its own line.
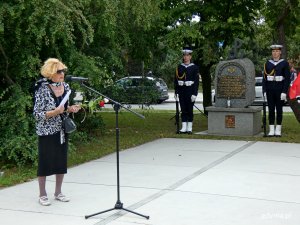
<point x="6" y="78"/>
<point x="281" y="38"/>
<point x="206" y="86"/>
<point x="206" y="83"/>
<point x="135" y="67"/>
<point x="280" y="28"/>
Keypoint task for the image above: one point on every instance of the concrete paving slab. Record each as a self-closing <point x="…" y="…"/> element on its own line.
<point x="246" y="185"/>
<point x="132" y="175"/>
<point x="175" y="182"/>
<point x="179" y="208"/>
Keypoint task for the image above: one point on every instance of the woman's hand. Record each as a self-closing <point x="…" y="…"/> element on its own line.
<point x="58" y="110"/>
<point x="74" y="108"/>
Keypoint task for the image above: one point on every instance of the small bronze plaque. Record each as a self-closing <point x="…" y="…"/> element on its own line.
<point x="230" y="121"/>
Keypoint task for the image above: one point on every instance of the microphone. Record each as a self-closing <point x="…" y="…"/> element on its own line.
<point x="77" y="79"/>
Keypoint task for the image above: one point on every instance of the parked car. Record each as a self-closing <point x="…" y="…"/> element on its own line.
<point x="259" y="99"/>
<point x="258" y="87"/>
<point x="138" y="89"/>
<point x="258" y="92"/>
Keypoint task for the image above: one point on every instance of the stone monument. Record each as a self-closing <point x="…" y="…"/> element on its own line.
<point x="234" y="83"/>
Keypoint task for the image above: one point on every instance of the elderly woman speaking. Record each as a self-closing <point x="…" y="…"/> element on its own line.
<point x="52" y="140"/>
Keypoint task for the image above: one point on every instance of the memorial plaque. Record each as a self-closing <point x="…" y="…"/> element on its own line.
<point x="235" y="81"/>
<point x="231" y="81"/>
<point x="230" y="121"/>
<point x="231" y="87"/>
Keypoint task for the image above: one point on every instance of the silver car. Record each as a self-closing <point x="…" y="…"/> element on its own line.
<point x="139" y="85"/>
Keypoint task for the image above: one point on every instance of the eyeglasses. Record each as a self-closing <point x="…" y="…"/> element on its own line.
<point x="61" y="71"/>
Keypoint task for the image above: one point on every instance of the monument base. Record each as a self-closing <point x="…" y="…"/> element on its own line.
<point x="234" y="121"/>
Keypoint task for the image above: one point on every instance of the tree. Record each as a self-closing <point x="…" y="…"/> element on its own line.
<point x="220" y="21"/>
<point x="137" y="25"/>
<point x="283" y="18"/>
<point x="30" y="32"/>
<point x="90" y="36"/>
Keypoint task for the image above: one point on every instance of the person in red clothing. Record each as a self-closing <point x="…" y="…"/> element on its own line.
<point x="294" y="91"/>
<point x="294" y="97"/>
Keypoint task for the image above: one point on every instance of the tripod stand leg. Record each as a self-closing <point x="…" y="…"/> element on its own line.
<point x="88" y="216"/>
<point x="118" y="205"/>
<point x="147" y="217"/>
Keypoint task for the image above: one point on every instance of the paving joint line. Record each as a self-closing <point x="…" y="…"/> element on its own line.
<point x="175" y="185"/>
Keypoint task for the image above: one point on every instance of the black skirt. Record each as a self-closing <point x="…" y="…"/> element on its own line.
<point x="52" y="157"/>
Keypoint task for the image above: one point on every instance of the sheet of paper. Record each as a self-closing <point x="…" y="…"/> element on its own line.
<point x="66" y="98"/>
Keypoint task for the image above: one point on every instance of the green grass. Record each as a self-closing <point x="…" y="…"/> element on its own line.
<point x="136" y="131"/>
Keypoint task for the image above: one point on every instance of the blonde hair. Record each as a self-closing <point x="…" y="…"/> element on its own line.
<point x="50" y="67"/>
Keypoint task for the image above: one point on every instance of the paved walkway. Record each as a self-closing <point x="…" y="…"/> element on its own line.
<point x="175" y="182"/>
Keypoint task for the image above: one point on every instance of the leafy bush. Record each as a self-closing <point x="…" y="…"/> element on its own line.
<point x="93" y="122"/>
<point x="18" y="139"/>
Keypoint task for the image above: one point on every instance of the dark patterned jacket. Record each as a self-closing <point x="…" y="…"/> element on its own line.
<point x="45" y="101"/>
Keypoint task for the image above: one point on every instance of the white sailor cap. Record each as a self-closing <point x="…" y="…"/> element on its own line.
<point x="273" y="47"/>
<point x="186" y="50"/>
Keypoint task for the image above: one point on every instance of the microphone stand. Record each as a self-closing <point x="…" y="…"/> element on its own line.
<point x="117" y="106"/>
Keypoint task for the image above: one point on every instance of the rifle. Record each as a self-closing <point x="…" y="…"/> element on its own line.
<point x="200" y="111"/>
<point x="177" y="115"/>
<point x="264" y="119"/>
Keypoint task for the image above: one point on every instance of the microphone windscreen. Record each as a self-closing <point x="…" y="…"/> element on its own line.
<point x="68" y="78"/>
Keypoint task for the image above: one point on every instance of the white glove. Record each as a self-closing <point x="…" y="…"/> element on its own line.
<point x="176" y="97"/>
<point x="189" y="83"/>
<point x="265" y="96"/>
<point x="283" y="97"/>
<point x="193" y="98"/>
<point x="298" y="99"/>
<point x="180" y="83"/>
